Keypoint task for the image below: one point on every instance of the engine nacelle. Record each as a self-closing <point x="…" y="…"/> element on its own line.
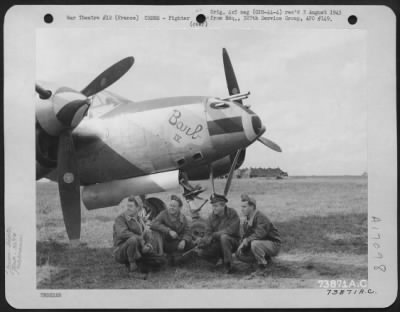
<point x="220" y="167"/>
<point x="111" y="193"/>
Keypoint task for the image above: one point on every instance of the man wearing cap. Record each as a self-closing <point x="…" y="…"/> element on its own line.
<point x="261" y="239"/>
<point x="130" y="236"/>
<point x="222" y="233"/>
<point x="173" y="227"/>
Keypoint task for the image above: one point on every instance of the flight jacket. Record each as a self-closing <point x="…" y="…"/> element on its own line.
<point x="259" y="227"/>
<point x="164" y="223"/>
<point x="124" y="228"/>
<point x="228" y="223"/>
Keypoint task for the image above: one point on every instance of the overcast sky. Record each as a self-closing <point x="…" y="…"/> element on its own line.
<point x="308" y="86"/>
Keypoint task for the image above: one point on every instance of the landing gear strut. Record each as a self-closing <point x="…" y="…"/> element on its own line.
<point x="190" y="192"/>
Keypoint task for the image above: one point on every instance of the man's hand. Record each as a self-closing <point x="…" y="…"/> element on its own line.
<point x="181" y="245"/>
<point x="243" y="244"/>
<point x="173" y="234"/>
<point x="205" y="241"/>
<point x="216" y="235"/>
<point x="197" y="241"/>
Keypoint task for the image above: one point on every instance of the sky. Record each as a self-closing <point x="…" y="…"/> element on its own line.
<point x="307" y="85"/>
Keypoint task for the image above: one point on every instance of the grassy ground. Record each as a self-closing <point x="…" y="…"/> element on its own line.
<point x="322" y="221"/>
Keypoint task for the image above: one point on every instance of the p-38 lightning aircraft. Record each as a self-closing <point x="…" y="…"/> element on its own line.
<point x="137" y="148"/>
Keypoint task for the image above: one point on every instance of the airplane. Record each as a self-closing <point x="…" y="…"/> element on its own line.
<point x="137" y="148"/>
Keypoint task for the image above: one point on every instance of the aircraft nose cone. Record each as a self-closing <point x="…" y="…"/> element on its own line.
<point x="257" y="125"/>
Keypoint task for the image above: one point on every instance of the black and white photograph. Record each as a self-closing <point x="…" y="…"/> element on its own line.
<point x="228" y="148"/>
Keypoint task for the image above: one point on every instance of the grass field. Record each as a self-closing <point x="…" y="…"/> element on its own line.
<point x="322" y="221"/>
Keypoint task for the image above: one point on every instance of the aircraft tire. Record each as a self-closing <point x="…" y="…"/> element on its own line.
<point x="154" y="205"/>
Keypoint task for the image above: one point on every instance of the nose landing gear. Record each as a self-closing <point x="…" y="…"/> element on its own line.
<point x="190" y="192"/>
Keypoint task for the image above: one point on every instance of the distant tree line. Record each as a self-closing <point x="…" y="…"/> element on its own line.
<point x="260" y="172"/>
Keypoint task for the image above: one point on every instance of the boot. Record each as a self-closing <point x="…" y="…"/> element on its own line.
<point x="259" y="272"/>
<point x="135" y="272"/>
<point x="133" y="267"/>
<point x="228" y="269"/>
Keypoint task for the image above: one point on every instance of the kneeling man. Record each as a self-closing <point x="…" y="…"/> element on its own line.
<point x="172" y="228"/>
<point x="261" y="239"/>
<point x="130" y="236"/>
<point x="222" y="233"/>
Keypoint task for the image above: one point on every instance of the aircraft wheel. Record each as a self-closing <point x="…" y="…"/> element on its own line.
<point x="154" y="206"/>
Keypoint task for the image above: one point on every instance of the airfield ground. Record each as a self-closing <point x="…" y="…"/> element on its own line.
<point x="322" y="221"/>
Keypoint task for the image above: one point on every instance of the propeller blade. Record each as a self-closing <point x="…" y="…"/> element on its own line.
<point x="270" y="144"/>
<point x="43" y="93"/>
<point x="233" y="86"/>
<point x="108" y="77"/>
<point x="230" y="175"/>
<point x="69" y="185"/>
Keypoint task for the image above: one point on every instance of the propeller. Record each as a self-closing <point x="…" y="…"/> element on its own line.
<point x="233" y="88"/>
<point x="73" y="110"/>
<point x="69" y="185"/>
<point x="270" y="144"/>
<point x="108" y="77"/>
<point x="231" y="82"/>
<point x="70" y="115"/>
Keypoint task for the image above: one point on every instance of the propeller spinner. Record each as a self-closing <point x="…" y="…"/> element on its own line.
<point x="70" y="108"/>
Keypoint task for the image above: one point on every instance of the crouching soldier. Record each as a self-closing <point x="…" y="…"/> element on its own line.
<point x="222" y="233"/>
<point x="172" y="228"/>
<point x="132" y="240"/>
<point x="261" y="239"/>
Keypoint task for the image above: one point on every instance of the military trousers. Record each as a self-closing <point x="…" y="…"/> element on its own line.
<point x="259" y="251"/>
<point x="168" y="244"/>
<point x="222" y="247"/>
<point x="131" y="250"/>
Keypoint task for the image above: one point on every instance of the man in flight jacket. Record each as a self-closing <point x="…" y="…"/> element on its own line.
<point x="172" y="227"/>
<point x="222" y="233"/>
<point x="261" y="239"/>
